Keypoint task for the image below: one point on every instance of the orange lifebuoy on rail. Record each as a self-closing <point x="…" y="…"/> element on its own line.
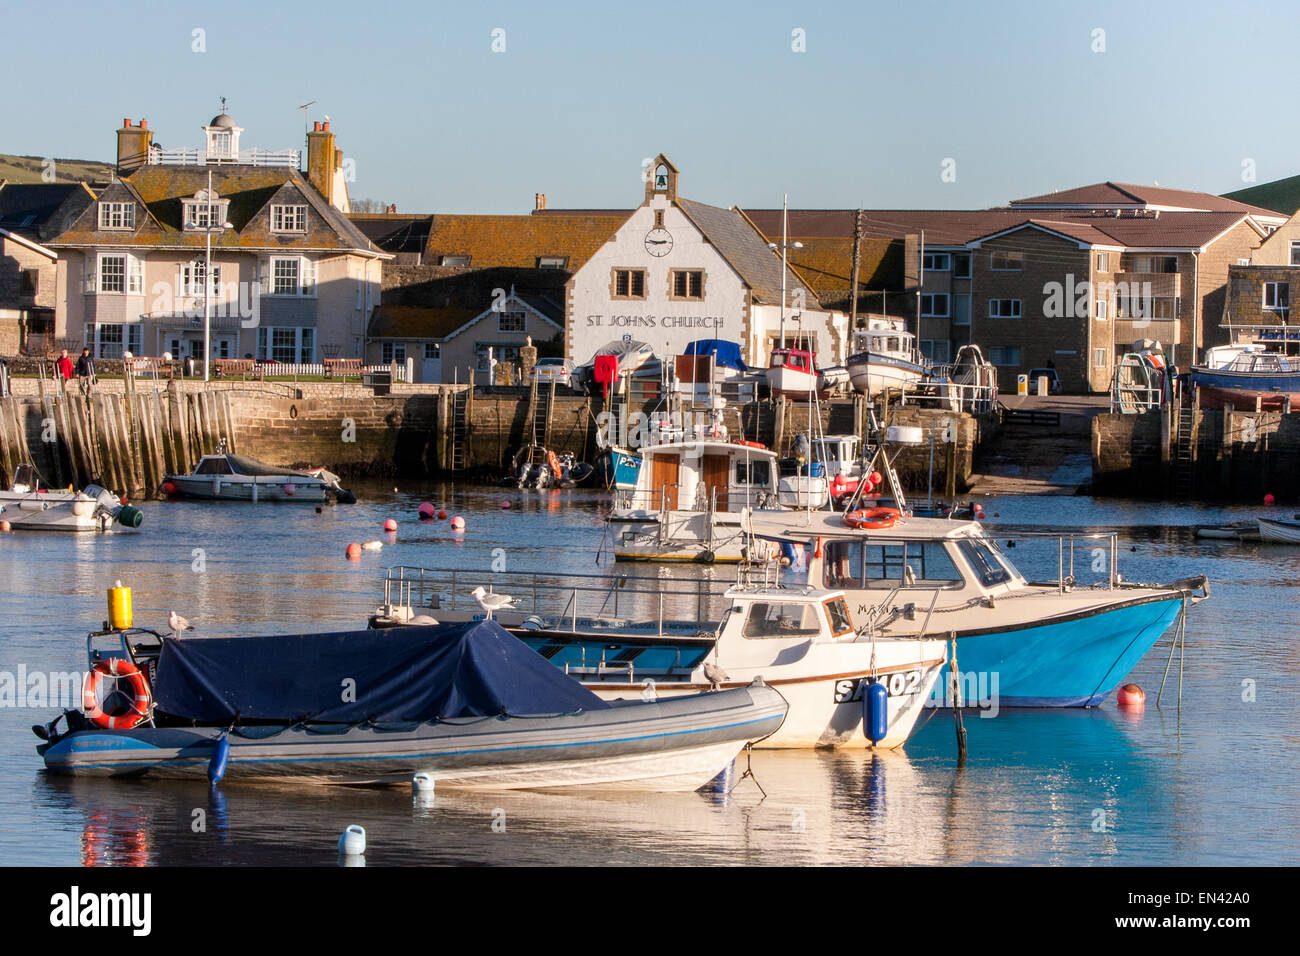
<point x="141" y="700"/>
<point x="553" y="462"/>
<point x="752" y="444"/>
<point x="872" y="518"/>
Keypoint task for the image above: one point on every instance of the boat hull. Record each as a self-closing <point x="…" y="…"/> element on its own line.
<point x="54" y="511"/>
<point x="664" y="745"/>
<point x="1072" y="661"/>
<point x="233" y="488"/>
<point x="1279" y="532"/>
<point x="872" y="373"/>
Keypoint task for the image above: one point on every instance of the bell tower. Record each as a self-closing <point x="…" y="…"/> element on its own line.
<point x="661" y="179"/>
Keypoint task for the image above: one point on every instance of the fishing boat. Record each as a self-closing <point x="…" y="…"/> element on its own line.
<point x="885" y="357"/>
<point x="688" y="498"/>
<point x="1279" y="531"/>
<point x="223" y="476"/>
<point x="28" y="505"/>
<point x="487" y="712"/>
<point x="793" y="373"/>
<point x="1031" y="644"/>
<point x="1268" y="380"/>
<point x="617" y="468"/>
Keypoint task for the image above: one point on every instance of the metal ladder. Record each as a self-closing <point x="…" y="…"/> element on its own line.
<point x="1184" y="449"/>
<point x="459" y="429"/>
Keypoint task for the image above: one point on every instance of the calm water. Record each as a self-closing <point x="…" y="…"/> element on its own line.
<point x="1216" y="784"/>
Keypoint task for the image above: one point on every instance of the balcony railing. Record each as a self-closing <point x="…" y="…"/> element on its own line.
<point x="1158" y="283"/>
<point x="193" y="156"/>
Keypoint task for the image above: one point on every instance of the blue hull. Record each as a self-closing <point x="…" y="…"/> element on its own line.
<point x="1075" y="662"/>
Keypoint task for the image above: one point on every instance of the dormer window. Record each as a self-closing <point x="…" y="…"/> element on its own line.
<point x="288" y="218"/>
<point x="117" y="215"/>
<point x="204" y="211"/>
<point x="552" y="262"/>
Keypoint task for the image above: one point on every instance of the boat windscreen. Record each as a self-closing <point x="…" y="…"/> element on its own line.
<point x="987" y="564"/>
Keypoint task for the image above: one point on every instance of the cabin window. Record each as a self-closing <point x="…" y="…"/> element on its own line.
<point x="864" y="565"/>
<point x="213" y="466"/>
<point x="781" y="620"/>
<point x="984" y="561"/>
<point x="838" y="614"/>
<point x="753" y="473"/>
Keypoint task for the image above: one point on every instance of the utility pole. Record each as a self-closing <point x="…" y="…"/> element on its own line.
<point x="853" y="278"/>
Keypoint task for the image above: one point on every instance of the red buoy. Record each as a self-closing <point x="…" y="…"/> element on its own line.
<point x="458" y="523"/>
<point x="442" y="515"/>
<point x="426" y="511"/>
<point x="505" y="505"/>
<point x="390" y="525"/>
<point x="1131" y="697"/>
<point x="876" y="478"/>
<point x="353" y="552"/>
<point x="1268" y="500"/>
<point x="168" y="488"/>
<point x="6" y="527"/>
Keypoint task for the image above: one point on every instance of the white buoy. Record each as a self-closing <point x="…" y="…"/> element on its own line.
<point x="422" y="783"/>
<point x="353" y="841"/>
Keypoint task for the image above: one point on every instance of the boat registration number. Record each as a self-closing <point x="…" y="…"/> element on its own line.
<point x="898" y="684"/>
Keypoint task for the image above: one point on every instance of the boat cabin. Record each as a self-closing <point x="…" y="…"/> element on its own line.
<point x="800" y="360"/>
<point x="704" y="476"/>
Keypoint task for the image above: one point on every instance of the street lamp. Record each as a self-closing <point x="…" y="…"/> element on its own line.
<point x="208" y="230"/>
<point x="785" y="244"/>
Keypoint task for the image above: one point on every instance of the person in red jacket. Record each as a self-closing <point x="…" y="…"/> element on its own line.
<point x="63" y="366"/>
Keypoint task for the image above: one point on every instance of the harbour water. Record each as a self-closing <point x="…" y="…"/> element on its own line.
<point x="1213" y="782"/>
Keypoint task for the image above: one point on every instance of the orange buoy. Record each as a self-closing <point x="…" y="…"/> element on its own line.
<point x="457" y="523"/>
<point x="442" y="515"/>
<point x="872" y="518"/>
<point x="1131" y="697"/>
<point x="6" y="527"/>
<point x="168" y="488"/>
<point x="390" y="525"/>
<point x="876" y="478"/>
<point x="353" y="552"/>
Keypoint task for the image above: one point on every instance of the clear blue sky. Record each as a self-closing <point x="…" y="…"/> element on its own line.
<point x="883" y="94"/>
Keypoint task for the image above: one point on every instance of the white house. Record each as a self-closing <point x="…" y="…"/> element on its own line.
<point x="678" y="270"/>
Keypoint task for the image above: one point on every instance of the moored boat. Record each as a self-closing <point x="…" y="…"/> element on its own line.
<point x="1252" y="378"/>
<point x="223" y="476"/>
<point x="28" y="505"/>
<point x="884" y="357"/>
<point x="487" y="712"/>
<point x="1279" y="531"/>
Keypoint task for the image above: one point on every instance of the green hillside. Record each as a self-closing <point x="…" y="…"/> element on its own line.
<point x="1281" y="195"/>
<point x="28" y="169"/>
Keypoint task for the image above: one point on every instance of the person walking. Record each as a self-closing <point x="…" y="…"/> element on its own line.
<point x="63" y="367"/>
<point x="85" y="372"/>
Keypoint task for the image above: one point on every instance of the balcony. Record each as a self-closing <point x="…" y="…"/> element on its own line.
<point x="194" y="156"/>
<point x="1156" y="284"/>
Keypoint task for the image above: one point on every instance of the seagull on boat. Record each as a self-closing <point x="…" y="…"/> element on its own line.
<point x="178" y="624"/>
<point x="491" y="602"/>
<point x="715" y="674"/>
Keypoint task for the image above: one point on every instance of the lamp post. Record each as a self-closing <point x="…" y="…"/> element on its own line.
<point x="208" y="230"/>
<point x="785" y="244"/>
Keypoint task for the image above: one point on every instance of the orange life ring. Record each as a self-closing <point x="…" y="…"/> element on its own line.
<point x="752" y="444"/>
<point x="116" y="667"/>
<point x="872" y="518"/>
<point x="553" y="462"/>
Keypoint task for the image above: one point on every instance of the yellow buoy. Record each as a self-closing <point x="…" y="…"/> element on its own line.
<point x="119" y="607"/>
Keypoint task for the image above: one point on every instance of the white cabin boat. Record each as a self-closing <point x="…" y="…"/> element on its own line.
<point x="26" y="505"/>
<point x="226" y="477"/>
<point x="1050" y="644"/>
<point x="793" y="373"/>
<point x="688" y="499"/>
<point x="885" y="357"/>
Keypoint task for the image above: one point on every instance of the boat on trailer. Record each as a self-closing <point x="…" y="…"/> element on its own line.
<point x="224" y="476"/>
<point x="30" y="506"/>
<point x="487" y="712"/>
<point x="799" y="640"/>
<point x="1267" y="380"/>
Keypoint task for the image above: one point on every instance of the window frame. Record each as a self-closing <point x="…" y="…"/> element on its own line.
<point x="1017" y="257"/>
<point x="932" y="256"/>
<point x="934" y="297"/>
<point x="629" y="296"/>
<point x="281" y="211"/>
<point x="1018" y="310"/>
<point x="107" y="208"/>
<point x="688" y="277"/>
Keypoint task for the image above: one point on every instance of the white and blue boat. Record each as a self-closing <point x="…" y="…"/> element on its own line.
<point x="1028" y="644"/>
<point x="618" y="468"/>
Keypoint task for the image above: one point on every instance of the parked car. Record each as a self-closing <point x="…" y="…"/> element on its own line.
<point x="552" y="369"/>
<point x="1053" y="382"/>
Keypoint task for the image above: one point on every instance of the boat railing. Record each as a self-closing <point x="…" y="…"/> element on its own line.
<point x="945" y="393"/>
<point x="879" y="616"/>
<point x="567" y="599"/>
<point x="1067" y="547"/>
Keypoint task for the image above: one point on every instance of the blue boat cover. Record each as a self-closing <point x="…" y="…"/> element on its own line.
<point x="726" y="354"/>
<point x="392" y="674"/>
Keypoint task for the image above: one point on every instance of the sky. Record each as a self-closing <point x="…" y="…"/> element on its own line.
<point x="475" y="107"/>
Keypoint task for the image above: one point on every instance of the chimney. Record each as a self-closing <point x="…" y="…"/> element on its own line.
<point x="133" y="142"/>
<point x="323" y="160"/>
<point x="539" y="202"/>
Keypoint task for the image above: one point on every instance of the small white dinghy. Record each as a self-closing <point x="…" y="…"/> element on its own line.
<point x="1279" y="531"/>
<point x="27" y="505"/>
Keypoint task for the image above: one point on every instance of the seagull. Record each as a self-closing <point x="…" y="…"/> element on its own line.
<point x="178" y="624"/>
<point x="491" y="602"/>
<point x="715" y="674"/>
